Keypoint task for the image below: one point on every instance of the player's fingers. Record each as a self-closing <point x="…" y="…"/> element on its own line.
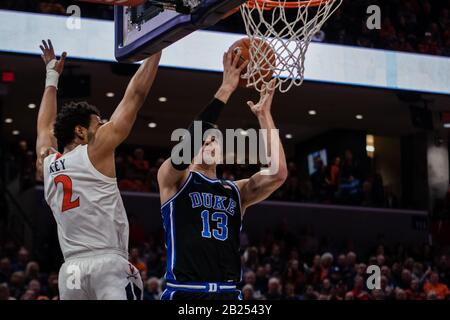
<point x="45" y="44"/>
<point x="50" y="44"/>
<point x="224" y="58"/>
<point x="273" y="85"/>
<point x="244" y="65"/>
<point x="250" y="104"/>
<point x="43" y="50"/>
<point x="63" y="59"/>
<point x="229" y="56"/>
<point x="263" y="91"/>
<point x="237" y="56"/>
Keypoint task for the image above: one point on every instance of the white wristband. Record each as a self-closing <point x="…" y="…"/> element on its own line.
<point x="52" y="75"/>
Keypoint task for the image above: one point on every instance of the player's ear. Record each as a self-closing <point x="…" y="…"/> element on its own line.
<point x="80" y="132"/>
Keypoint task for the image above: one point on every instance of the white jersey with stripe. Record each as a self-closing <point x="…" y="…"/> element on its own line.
<point x="86" y="204"/>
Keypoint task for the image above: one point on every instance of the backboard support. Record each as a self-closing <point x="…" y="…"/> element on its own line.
<point x="146" y="29"/>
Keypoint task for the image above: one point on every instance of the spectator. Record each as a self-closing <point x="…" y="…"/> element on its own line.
<point x="4" y="292"/>
<point x="435" y="288"/>
<point x="141" y="166"/>
<point x="23" y="258"/>
<point x="35" y="286"/>
<point x="248" y="293"/>
<point x="290" y="292"/>
<point x="358" y="291"/>
<point x="32" y="271"/>
<point x="378" y="295"/>
<point x="349" y="180"/>
<point x="152" y="290"/>
<point x="26" y="164"/>
<point x="136" y="260"/>
<point x="51" y="6"/>
<point x="52" y="285"/>
<point x="400" y="294"/>
<point x="275" y="261"/>
<point x="335" y="169"/>
<point x="414" y="292"/>
<point x="261" y="280"/>
<point x="5" y="269"/>
<point x="319" y="180"/>
<point x="274" y="289"/>
<point x="250" y="280"/>
<point x="310" y="294"/>
<point x="17" y="284"/>
<point x="28" y="295"/>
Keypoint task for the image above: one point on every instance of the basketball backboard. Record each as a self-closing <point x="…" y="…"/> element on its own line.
<point x="150" y="27"/>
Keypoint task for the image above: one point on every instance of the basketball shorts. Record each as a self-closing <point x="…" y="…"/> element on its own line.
<point x="200" y="291"/>
<point x="101" y="277"/>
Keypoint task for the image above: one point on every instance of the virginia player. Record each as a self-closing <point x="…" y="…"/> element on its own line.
<point x="202" y="215"/>
<point x="81" y="188"/>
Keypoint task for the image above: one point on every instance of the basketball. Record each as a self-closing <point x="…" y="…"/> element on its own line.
<point x="264" y="56"/>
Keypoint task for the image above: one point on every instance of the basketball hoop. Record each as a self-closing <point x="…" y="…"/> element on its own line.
<point x="288" y="27"/>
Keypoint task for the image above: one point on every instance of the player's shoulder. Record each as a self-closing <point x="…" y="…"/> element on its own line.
<point x="49" y="154"/>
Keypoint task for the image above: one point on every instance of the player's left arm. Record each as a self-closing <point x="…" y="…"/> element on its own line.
<point x="119" y="126"/>
<point x="46" y="141"/>
<point x="263" y="183"/>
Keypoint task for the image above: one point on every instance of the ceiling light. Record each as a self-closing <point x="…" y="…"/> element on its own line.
<point x="162" y="99"/>
<point x="110" y="94"/>
<point x="16" y="132"/>
<point x="8" y="120"/>
<point x="359" y="116"/>
<point x="152" y="125"/>
<point x="288" y="136"/>
<point x="312" y="112"/>
<point x="370" y="148"/>
<point x="31" y="106"/>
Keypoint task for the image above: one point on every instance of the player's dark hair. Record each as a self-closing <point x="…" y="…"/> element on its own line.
<point x="71" y="115"/>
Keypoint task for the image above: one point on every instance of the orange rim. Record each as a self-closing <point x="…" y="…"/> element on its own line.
<point x="269" y="4"/>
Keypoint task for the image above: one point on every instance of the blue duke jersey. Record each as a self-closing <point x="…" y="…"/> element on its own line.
<point x="202" y="225"/>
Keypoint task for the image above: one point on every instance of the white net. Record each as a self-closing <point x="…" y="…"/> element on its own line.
<point x="286" y="29"/>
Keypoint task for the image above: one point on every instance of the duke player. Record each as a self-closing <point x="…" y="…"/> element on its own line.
<point x="202" y="215"/>
<point x="81" y="188"/>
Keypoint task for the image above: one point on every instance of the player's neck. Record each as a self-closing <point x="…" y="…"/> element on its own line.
<point x="208" y="171"/>
<point x="70" y="147"/>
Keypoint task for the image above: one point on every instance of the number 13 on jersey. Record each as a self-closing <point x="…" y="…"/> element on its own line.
<point x="219" y="233"/>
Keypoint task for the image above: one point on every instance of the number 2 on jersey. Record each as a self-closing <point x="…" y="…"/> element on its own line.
<point x="67" y="203"/>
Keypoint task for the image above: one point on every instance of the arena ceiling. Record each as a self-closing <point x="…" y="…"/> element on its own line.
<point x="187" y="91"/>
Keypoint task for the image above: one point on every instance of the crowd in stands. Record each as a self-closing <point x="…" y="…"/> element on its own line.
<point x="279" y="267"/>
<point x="344" y="181"/>
<point x="421" y="26"/>
<point x="406" y="25"/>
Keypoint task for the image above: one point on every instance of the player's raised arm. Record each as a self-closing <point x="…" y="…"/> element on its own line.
<point x="172" y="174"/>
<point x="262" y="184"/>
<point x="119" y="126"/>
<point x="46" y="141"/>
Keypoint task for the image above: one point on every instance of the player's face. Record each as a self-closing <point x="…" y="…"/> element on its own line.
<point x="211" y="151"/>
<point x="96" y="123"/>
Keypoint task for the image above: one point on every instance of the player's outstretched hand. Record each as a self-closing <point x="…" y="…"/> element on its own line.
<point x="265" y="99"/>
<point x="232" y="70"/>
<point x="48" y="54"/>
